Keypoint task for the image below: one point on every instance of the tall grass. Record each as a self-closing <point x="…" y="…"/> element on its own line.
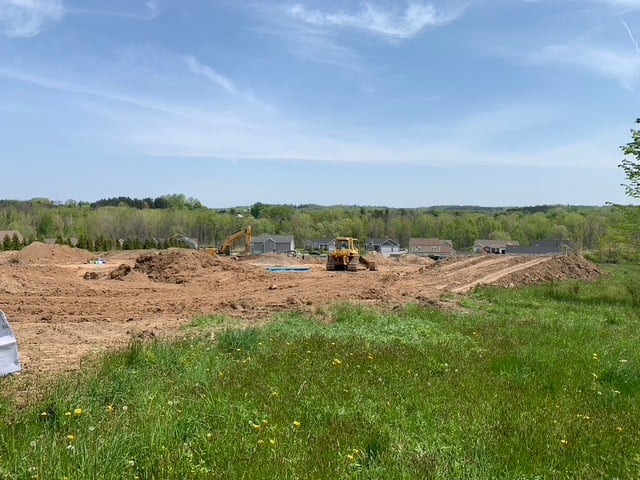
<point x="540" y="382"/>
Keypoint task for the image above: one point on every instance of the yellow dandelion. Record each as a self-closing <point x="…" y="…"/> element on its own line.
<point x="265" y="422"/>
<point x="67" y="414"/>
<point x="78" y="411"/>
<point x="209" y="436"/>
<point x="297" y="424"/>
<point x="109" y="408"/>
<point x="351" y="458"/>
<point x="619" y="429"/>
<point x="260" y="442"/>
<point x="272" y="441"/>
<point x="71" y="438"/>
<point x="256" y="427"/>
<point x="336" y="362"/>
<point x="44" y="414"/>
<point x="564" y="442"/>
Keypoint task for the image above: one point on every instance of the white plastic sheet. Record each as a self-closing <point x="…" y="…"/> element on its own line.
<point x="9" y="357"/>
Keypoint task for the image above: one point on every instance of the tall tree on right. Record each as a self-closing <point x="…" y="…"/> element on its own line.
<point x="631" y="163"/>
<point x="626" y="221"/>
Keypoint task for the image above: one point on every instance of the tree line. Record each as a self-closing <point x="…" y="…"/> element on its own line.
<point x="103" y="225"/>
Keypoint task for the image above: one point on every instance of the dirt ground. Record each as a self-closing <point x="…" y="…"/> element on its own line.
<point x="64" y="303"/>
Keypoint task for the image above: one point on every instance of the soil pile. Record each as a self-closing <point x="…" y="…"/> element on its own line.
<point x="411" y="259"/>
<point x="41" y="253"/>
<point x="573" y="267"/>
<point x="180" y="265"/>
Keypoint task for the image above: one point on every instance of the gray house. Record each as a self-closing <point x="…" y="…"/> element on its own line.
<point x="272" y="244"/>
<point x="431" y="247"/>
<point x="320" y="244"/>
<point x="493" y="246"/>
<point x="381" y="245"/>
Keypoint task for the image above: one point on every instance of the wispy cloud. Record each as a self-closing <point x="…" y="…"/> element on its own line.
<point x="615" y="64"/>
<point x="376" y="20"/>
<point x="210" y="74"/>
<point x="150" y="11"/>
<point x="632" y="4"/>
<point x="27" y="18"/>
<point x="137" y="101"/>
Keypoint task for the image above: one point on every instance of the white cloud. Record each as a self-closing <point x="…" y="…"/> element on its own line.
<point x="153" y="8"/>
<point x="210" y="74"/>
<point x="618" y="65"/>
<point x="151" y="11"/>
<point x="27" y="18"/>
<point x="620" y="3"/>
<point x="373" y="19"/>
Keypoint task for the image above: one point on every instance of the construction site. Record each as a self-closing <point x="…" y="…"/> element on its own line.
<point x="65" y="305"/>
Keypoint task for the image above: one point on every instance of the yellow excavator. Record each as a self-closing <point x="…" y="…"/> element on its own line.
<point x="227" y="245"/>
<point x="346" y="256"/>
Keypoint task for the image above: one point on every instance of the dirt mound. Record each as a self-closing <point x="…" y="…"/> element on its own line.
<point x="405" y="259"/>
<point x="411" y="259"/>
<point x="180" y="265"/>
<point x="41" y="253"/>
<point x="573" y="267"/>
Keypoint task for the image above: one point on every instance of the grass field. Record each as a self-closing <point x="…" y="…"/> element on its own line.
<point x="539" y="382"/>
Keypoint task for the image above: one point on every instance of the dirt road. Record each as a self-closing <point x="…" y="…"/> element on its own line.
<point x="63" y="305"/>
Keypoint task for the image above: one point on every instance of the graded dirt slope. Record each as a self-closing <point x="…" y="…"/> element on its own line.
<point x="63" y="305"/>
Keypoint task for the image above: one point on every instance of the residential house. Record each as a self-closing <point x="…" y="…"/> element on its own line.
<point x="272" y="244"/>
<point x="542" y="247"/>
<point x="320" y="245"/>
<point x="493" y="246"/>
<point x="384" y="246"/>
<point x="431" y="247"/>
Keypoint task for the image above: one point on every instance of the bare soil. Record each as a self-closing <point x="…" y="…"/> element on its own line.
<point x="64" y="305"/>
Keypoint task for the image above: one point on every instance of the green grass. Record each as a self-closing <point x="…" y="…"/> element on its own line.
<point x="539" y="382"/>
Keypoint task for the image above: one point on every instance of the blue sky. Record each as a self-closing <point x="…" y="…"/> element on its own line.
<point x="395" y="103"/>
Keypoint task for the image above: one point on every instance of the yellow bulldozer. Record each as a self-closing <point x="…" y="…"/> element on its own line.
<point x="346" y="256"/>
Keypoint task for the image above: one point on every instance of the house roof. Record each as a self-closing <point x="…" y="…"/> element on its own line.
<point x="428" y="242"/>
<point x="275" y="238"/>
<point x="320" y="240"/>
<point x="10" y="234"/>
<point x="495" y="243"/>
<point x="382" y="241"/>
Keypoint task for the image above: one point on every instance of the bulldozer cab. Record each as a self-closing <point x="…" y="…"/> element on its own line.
<point x="346" y="243"/>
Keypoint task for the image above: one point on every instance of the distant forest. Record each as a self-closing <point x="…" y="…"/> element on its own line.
<point x="151" y="222"/>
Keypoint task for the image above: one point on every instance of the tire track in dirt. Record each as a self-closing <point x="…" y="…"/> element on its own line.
<point x="488" y="279"/>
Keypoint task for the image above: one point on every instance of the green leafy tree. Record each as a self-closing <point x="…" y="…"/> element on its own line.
<point x="631" y="163"/>
<point x="625" y="229"/>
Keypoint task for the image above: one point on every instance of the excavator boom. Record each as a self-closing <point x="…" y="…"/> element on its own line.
<point x="226" y="248"/>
